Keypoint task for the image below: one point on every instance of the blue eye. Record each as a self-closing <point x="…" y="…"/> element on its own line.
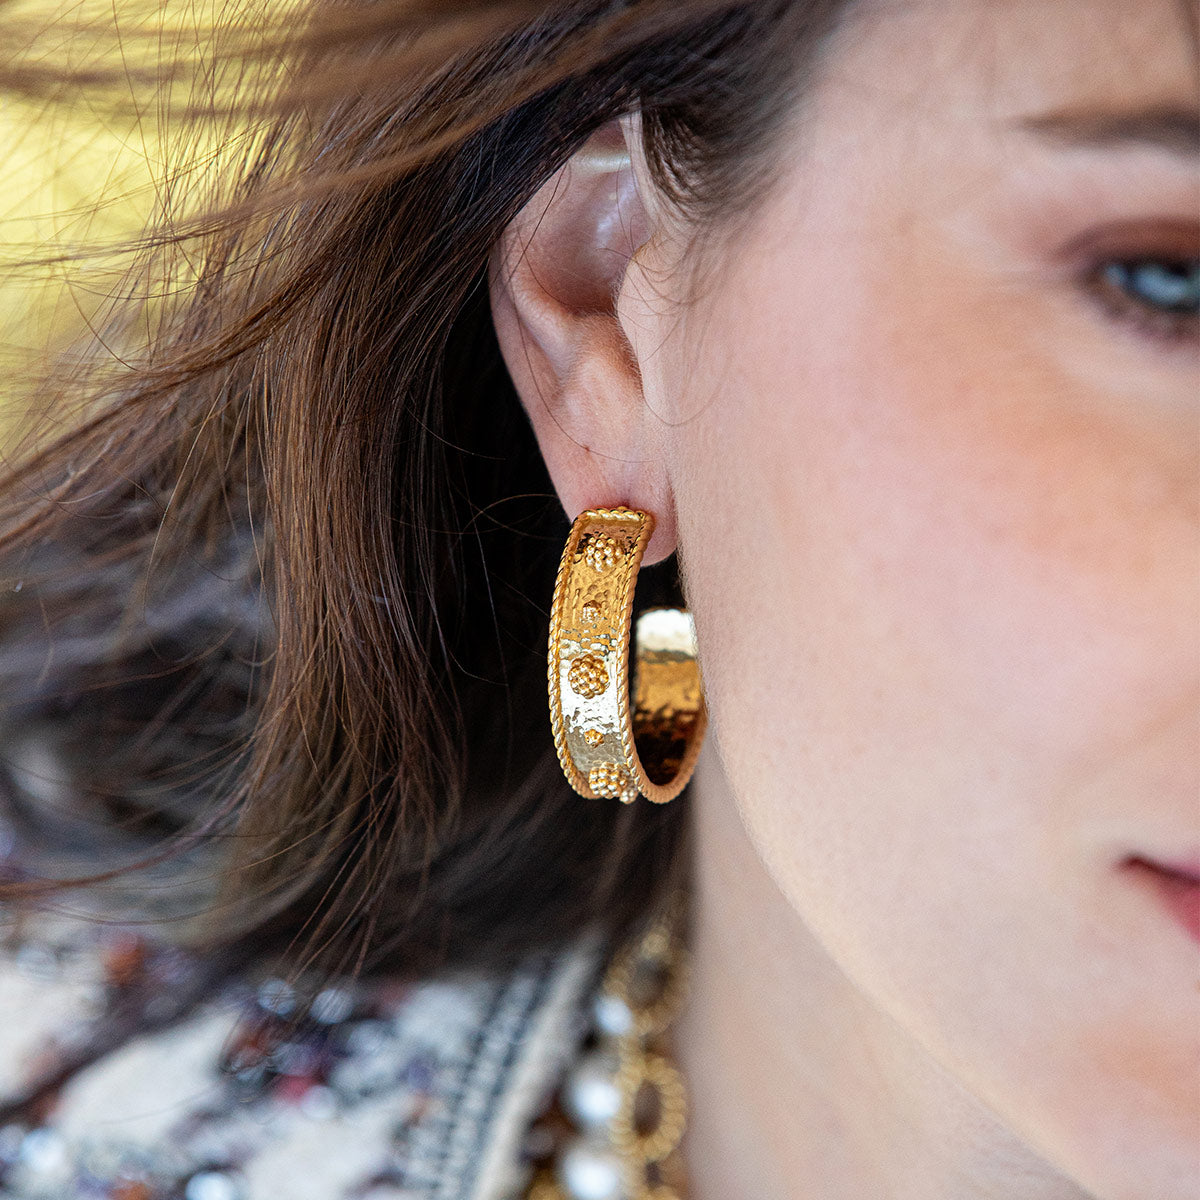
<point x="1159" y="284"/>
<point x="1157" y="296"/>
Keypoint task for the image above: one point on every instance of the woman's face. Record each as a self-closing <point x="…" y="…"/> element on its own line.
<point x="937" y="491"/>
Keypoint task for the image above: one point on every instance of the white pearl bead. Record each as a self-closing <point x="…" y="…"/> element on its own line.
<point x="212" y="1185"/>
<point x="612" y="1015"/>
<point x="590" y="1170"/>
<point x="44" y="1153"/>
<point x="277" y="996"/>
<point x="592" y="1097"/>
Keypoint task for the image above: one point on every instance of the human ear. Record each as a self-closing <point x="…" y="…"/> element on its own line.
<point x="555" y="278"/>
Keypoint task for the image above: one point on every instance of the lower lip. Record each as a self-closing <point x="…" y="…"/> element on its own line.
<point x="1179" y="893"/>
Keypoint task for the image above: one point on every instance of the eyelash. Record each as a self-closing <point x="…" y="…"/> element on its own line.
<point x="1108" y="279"/>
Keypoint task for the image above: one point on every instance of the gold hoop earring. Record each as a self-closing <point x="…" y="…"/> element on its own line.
<point x="606" y="749"/>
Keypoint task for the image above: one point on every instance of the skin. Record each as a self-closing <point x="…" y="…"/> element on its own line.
<point x="938" y="513"/>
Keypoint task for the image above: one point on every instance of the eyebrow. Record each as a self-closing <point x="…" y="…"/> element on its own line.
<point x="1162" y="127"/>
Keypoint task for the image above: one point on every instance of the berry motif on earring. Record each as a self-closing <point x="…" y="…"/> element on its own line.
<point x="587" y="675"/>
<point x="601" y="551"/>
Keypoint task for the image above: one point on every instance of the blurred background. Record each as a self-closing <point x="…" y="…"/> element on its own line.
<point x="86" y="132"/>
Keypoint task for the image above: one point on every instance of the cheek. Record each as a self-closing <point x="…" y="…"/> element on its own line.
<point x="949" y="622"/>
<point x="951" y="561"/>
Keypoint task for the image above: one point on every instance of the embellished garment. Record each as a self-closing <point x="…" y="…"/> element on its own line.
<point x="130" y="1071"/>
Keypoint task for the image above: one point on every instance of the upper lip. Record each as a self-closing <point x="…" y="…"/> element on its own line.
<point x="1186" y="869"/>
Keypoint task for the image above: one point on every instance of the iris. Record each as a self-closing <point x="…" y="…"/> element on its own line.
<point x="1166" y="286"/>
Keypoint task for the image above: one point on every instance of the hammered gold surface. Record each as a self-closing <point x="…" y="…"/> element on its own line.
<point x="606" y="746"/>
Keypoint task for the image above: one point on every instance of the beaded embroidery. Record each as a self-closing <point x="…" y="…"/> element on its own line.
<point x="365" y="1092"/>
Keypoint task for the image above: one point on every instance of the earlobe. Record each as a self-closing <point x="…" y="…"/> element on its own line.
<point x="554" y="281"/>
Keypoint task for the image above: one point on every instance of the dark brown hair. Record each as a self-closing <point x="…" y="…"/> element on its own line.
<point x="273" y="612"/>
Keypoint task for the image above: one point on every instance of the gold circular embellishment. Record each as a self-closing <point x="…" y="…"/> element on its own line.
<point x="587" y="675"/>
<point x="640" y="1135"/>
<point x="611" y="779"/>
<point x="650" y="1015"/>
<point x="593" y="737"/>
<point x="590" y="612"/>
<point x="601" y="550"/>
<point x="637" y="1070"/>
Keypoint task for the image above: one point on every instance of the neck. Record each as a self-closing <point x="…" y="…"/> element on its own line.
<point x="799" y="1086"/>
